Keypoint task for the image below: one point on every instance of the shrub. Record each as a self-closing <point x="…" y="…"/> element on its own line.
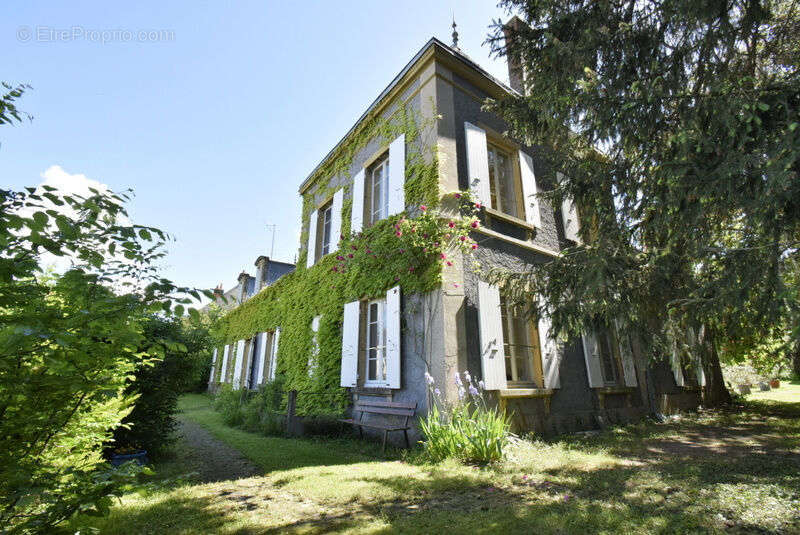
<point x="469" y="430"/>
<point x="259" y="412"/>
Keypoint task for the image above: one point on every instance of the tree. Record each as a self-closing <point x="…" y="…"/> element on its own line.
<point x="69" y="345"/>
<point x="675" y="125"/>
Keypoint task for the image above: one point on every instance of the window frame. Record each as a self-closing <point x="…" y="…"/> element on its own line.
<point x="380" y="348"/>
<point x="382" y="163"/>
<point x="534" y="346"/>
<point x="511" y="151"/>
<point x="326" y="209"/>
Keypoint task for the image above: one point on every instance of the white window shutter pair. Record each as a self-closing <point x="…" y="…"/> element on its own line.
<point x="532" y="213"/>
<point x="477" y="163"/>
<point x="262" y="356"/>
<point x="312" y="239"/>
<point x="551" y="355"/>
<point x="569" y="216"/>
<point x="490" y="327"/>
<point x="273" y="357"/>
<point x="237" y="371"/>
<point x="350" y="341"/>
<point x="396" y="186"/>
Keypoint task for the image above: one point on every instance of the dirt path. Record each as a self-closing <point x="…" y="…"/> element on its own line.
<point x="211" y="458"/>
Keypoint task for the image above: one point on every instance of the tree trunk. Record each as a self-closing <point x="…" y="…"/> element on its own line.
<point x="715" y="393"/>
<point x="796" y="360"/>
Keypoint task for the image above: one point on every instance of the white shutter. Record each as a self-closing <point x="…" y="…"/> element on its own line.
<point x="677" y="368"/>
<point x="312" y="359"/>
<point x="551" y="356"/>
<point x="273" y="358"/>
<point x="393" y="335"/>
<point x="262" y="357"/>
<point x="569" y="216"/>
<point x="532" y="214"/>
<point x="397" y="175"/>
<point x="213" y="366"/>
<point x="626" y="352"/>
<point x="491" y="337"/>
<point x="477" y="164"/>
<point x="336" y="220"/>
<point x="312" y="239"/>
<point x="350" y="326"/>
<point x="223" y="372"/>
<point x="237" y="371"/>
<point x="357" y="212"/>
<point x="591" y="352"/>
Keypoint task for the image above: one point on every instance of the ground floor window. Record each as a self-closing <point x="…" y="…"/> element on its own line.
<point x="376" y="342"/>
<point x="521" y="348"/>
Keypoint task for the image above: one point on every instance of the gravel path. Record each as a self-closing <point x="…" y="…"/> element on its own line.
<point x="212" y="459"/>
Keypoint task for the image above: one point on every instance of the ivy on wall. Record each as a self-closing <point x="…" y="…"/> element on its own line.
<point x="399" y="250"/>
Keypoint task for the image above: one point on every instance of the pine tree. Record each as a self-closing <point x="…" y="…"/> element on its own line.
<point x="675" y="125"/>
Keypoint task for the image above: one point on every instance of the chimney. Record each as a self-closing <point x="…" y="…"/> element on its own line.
<point x="261" y="272"/>
<point x="516" y="70"/>
<point x="219" y="294"/>
<point x="243" y="276"/>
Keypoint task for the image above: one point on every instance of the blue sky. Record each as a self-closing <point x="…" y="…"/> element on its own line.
<point x="214" y="128"/>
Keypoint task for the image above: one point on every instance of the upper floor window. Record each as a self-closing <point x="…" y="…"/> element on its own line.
<point x="378" y="190"/>
<point x="502" y="181"/>
<point x="523" y="361"/>
<point x="376" y="341"/>
<point x="325" y="221"/>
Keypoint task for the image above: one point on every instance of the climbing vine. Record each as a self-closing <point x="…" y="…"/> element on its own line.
<point x="407" y="249"/>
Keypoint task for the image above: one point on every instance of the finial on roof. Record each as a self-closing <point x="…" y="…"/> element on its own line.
<point x="455" y="34"/>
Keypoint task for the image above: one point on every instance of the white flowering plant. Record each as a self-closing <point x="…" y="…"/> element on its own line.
<point x="469" y="429"/>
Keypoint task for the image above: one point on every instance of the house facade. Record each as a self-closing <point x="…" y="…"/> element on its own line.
<point x="379" y="340"/>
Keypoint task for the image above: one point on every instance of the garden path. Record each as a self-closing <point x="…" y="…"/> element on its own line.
<point x="211" y="458"/>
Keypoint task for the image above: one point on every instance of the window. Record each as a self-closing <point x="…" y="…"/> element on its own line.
<point x="252" y="372"/>
<point x="325" y="221"/>
<point x="376" y="342"/>
<point x="520" y="346"/>
<point x="378" y="190"/>
<point x="608" y="361"/>
<point x="502" y="181"/>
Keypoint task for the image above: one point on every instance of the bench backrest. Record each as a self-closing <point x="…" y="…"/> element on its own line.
<point x="393" y="408"/>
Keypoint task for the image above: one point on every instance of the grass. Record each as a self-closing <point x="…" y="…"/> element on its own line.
<point x="711" y="472"/>
<point x="789" y="392"/>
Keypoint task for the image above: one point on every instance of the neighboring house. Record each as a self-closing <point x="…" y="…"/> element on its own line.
<point x="268" y="272"/>
<point x="466" y="324"/>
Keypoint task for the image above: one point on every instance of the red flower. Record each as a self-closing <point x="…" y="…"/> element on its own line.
<point x="449" y="263"/>
<point x="411" y="269"/>
<point x="443" y="256"/>
<point x="474" y="245"/>
<point x="353" y="247"/>
<point x="398" y="233"/>
<point x="451" y="224"/>
<point x="350" y="255"/>
<point x="478" y="205"/>
<point x="457" y="195"/>
<point x="474" y="224"/>
<point x="423" y="207"/>
<point x="463" y="238"/>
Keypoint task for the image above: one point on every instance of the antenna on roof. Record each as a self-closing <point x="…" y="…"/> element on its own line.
<point x="455" y="34"/>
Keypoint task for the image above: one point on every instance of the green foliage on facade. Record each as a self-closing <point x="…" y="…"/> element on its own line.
<point x="395" y="251"/>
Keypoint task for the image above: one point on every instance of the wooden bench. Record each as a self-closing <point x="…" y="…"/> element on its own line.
<point x="390" y="408"/>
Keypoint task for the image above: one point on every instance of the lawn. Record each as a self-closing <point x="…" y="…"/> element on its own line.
<point x="711" y="472"/>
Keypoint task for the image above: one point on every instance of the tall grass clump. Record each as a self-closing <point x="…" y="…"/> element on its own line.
<point x="257" y="412"/>
<point x="469" y="429"/>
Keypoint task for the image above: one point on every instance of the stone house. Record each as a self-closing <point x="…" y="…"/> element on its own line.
<point x="388" y="343"/>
